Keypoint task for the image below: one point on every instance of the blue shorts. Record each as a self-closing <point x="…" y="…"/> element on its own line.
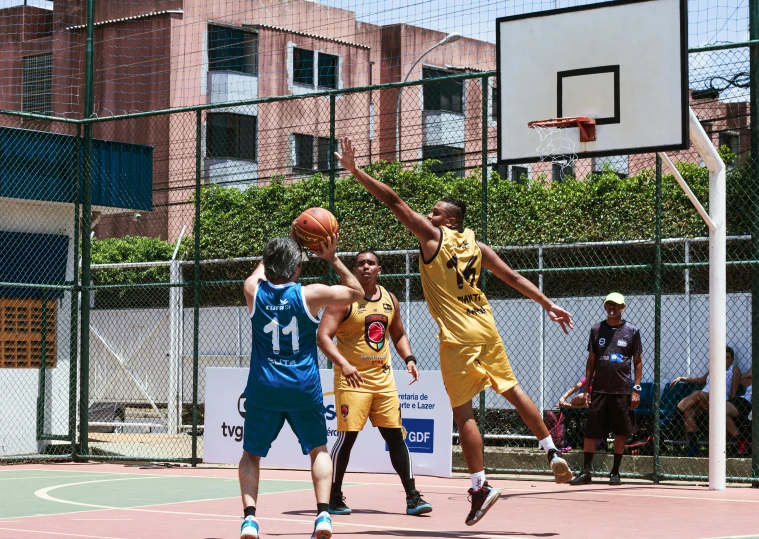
<point x="262" y="428"/>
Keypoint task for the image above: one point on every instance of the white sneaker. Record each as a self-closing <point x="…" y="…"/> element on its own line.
<point x="322" y="526"/>
<point x="249" y="528"/>
<point x="559" y="467"/>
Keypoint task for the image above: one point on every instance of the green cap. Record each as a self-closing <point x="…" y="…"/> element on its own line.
<point x="615" y="297"/>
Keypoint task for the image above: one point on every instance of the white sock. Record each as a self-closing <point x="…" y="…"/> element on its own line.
<point x="478" y="479"/>
<point x="547" y="443"/>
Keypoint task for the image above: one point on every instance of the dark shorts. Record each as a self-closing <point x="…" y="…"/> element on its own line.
<point x="609" y="412"/>
<point x="742" y="405"/>
<point x="262" y="428"/>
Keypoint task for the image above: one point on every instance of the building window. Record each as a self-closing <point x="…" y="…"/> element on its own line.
<point x="519" y="174"/>
<point x="442" y="96"/>
<point x="21" y="322"/>
<point x="450" y="159"/>
<point x="561" y="170"/>
<point x="732" y="140"/>
<point x="304" y="153"/>
<point x="231" y="136"/>
<point x="37" y="84"/>
<point x="494" y="103"/>
<point x="303" y="67"/>
<point x="327" y="70"/>
<point x="322" y="153"/>
<point x="502" y="171"/>
<point x="232" y="49"/>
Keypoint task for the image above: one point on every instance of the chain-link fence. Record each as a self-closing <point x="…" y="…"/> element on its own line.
<point x="106" y="339"/>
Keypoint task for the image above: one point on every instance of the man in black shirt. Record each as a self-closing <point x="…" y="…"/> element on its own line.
<point x="613" y="344"/>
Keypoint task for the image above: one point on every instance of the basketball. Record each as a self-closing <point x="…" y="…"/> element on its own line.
<point x="314" y="226"/>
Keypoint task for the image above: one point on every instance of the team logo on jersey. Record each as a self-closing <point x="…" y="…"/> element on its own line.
<point x="463" y="246"/>
<point x="388" y="308"/>
<point x="375" y="328"/>
<point x="361" y="307"/>
<point x="344" y="410"/>
<point x="621" y="342"/>
<point x="601" y="342"/>
<point x="283" y="301"/>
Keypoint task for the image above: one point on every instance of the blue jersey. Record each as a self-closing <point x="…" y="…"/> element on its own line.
<point x="284" y="375"/>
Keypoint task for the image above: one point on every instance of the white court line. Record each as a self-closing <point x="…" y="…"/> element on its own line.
<point x="37" y="532"/>
<point x="586" y="492"/>
<point x="753" y="536"/>
<point x="168" y="475"/>
<point x="102" y="519"/>
<point x="44" y="494"/>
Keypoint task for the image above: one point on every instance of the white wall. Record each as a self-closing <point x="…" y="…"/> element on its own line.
<point x="20" y="387"/>
<point x="225" y="341"/>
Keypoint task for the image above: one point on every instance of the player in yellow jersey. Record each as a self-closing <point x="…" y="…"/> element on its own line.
<point x="364" y="382"/>
<point x="472" y="356"/>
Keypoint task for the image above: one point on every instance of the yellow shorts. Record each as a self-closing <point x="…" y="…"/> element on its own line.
<point x="354" y="407"/>
<point x="469" y="369"/>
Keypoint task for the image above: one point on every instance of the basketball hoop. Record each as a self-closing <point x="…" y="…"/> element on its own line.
<point x="556" y="143"/>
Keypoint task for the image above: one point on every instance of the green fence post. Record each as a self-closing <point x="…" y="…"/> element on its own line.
<point x="483" y="278"/>
<point x="332" y="149"/>
<point x="754" y="152"/>
<point x="75" y="290"/>
<point x="657" y="324"/>
<point x="89" y="82"/>
<point x="196" y="289"/>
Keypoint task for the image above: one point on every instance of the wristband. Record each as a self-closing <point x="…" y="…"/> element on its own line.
<point x="409" y="359"/>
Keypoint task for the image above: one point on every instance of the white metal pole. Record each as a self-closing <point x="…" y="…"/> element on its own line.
<point x="717" y="302"/>
<point x="542" y="333"/>
<point x="175" y="321"/>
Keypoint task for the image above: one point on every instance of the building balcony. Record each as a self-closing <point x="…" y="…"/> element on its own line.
<point x="231" y="172"/>
<point x="227" y="86"/>
<point x="443" y="128"/>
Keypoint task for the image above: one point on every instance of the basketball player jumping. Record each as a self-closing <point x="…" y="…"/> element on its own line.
<point x="364" y="382"/>
<point x="472" y="356"/>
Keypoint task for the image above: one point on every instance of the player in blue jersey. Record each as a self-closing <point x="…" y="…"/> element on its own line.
<point x="283" y="383"/>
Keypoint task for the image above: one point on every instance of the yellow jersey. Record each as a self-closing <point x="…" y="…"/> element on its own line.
<point x="363" y="339"/>
<point x="449" y="282"/>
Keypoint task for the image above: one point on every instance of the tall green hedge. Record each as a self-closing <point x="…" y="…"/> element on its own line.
<point x="599" y="207"/>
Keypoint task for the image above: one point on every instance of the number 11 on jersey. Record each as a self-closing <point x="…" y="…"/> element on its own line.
<point x="290" y="329"/>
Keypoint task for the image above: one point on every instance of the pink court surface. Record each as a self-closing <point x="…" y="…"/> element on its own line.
<point x="113" y="501"/>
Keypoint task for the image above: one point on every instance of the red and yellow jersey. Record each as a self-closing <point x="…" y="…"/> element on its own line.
<point x="449" y="281"/>
<point x="363" y="339"/>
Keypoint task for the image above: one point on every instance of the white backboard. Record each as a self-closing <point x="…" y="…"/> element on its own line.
<point x="623" y="63"/>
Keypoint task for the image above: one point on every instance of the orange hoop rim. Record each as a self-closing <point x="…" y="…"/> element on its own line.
<point x="586" y="125"/>
<point x="565" y="121"/>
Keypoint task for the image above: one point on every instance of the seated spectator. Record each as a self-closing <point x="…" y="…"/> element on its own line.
<point x="576" y="402"/>
<point x="739" y="407"/>
<point x="698" y="402"/>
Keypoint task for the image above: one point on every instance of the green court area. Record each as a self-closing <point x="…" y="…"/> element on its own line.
<point x="43" y="492"/>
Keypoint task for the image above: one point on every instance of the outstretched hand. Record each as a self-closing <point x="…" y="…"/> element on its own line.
<point x="562" y="317"/>
<point x="347" y="155"/>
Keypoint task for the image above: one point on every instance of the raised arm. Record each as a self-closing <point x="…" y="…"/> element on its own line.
<point x="324" y="338"/>
<point x="402" y="343"/>
<point x="249" y="288"/>
<point x="319" y="296"/>
<point x="569" y="392"/>
<point x="417" y="223"/>
<point x="499" y="268"/>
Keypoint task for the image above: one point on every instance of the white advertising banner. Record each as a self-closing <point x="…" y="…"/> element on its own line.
<point x="426" y="412"/>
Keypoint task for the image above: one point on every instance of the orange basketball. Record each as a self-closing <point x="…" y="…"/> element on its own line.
<point x="314" y="226"/>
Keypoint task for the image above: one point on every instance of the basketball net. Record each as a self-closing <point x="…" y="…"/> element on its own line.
<point x="557" y="146"/>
